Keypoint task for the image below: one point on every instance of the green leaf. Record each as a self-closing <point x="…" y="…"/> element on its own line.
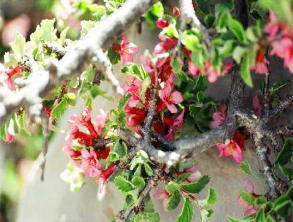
<point x="118" y="151"/>
<point x="198" y="186"/>
<point x="212" y="197"/>
<point x="186" y="212"/>
<point x="246" y="168"/>
<point x="48" y="30"/>
<point x="287" y="152"/>
<point x="183" y="176"/>
<point x="260" y="216"/>
<point x="190" y="39"/>
<point x="238" y="53"/>
<point x="138" y="181"/>
<point x="123" y="185"/>
<point x="157" y="9"/>
<point x="148" y="169"/>
<point x="135" y="70"/>
<point x="282" y="205"/>
<point x="174" y="200"/>
<point x="172" y="186"/>
<point x="247" y="197"/>
<point x="59" y="109"/>
<point x="145" y="84"/>
<point x="63" y="36"/>
<point x="206" y="214"/>
<point x="70" y="98"/>
<point x="237" y="29"/>
<point x="233" y="219"/>
<point x="18" y="46"/>
<point x="245" y="71"/>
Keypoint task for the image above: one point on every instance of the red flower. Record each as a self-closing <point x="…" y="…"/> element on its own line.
<point x="210" y="72"/>
<point x="165" y="44"/>
<point x="256" y="103"/>
<point x="162" y="23"/>
<point x="8" y="77"/>
<point x="193" y="69"/>
<point x="126" y="49"/>
<point x="219" y="117"/>
<point x="102" y="179"/>
<point x="261" y="62"/>
<point x="90" y="163"/>
<point x="9" y="138"/>
<point x="233" y="148"/>
<point x="169" y="96"/>
<point x="176" y="11"/>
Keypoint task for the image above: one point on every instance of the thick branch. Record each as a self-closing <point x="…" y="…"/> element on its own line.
<point x="282" y="105"/>
<point x="101" y="36"/>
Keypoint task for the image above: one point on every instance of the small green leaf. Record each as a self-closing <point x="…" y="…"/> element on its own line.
<point x="70" y="98"/>
<point x="233" y="219"/>
<point x="245" y="167"/>
<point x="145" y="84"/>
<point x="190" y="39"/>
<point x="186" y="212"/>
<point x="138" y="181"/>
<point x="238" y="53"/>
<point x="170" y="31"/>
<point x="237" y="29"/>
<point x="63" y="36"/>
<point x="245" y="71"/>
<point x="247" y="197"/>
<point x="148" y="169"/>
<point x="198" y="186"/>
<point x="18" y="46"/>
<point x="260" y="216"/>
<point x="212" y="197"/>
<point x="183" y="176"/>
<point x="287" y="152"/>
<point x="135" y="70"/>
<point x="174" y="200"/>
<point x="59" y="109"/>
<point x="206" y="214"/>
<point x="172" y="186"/>
<point x="123" y="185"/>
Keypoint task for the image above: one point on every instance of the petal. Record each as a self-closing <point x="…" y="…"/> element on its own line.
<point x="85" y="154"/>
<point x="248" y="185"/>
<point x="213" y="76"/>
<point x="193" y="69"/>
<point x="237" y="154"/>
<point x="176" y="97"/>
<point x="126" y="58"/>
<point x="132" y="48"/>
<point x="172" y="108"/>
<point x="160" y="194"/>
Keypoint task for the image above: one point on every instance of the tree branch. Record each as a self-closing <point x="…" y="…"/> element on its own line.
<point x="102" y="36"/>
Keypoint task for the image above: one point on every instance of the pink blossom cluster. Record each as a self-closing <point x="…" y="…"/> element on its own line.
<point x="280" y="35"/>
<point x="80" y="146"/>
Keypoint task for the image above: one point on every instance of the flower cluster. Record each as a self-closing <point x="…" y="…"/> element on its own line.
<point x="281" y="37"/>
<point x="80" y="147"/>
<point x="126" y="49"/>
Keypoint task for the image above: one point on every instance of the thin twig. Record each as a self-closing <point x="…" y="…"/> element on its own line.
<point x="266" y="97"/>
<point x="44" y="145"/>
<point x="124" y="214"/>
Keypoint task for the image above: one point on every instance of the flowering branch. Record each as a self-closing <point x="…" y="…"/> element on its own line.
<point x="103" y="35"/>
<point x="151" y="183"/>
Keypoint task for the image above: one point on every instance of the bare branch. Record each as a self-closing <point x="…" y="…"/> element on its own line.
<point x="266" y="98"/>
<point x="282" y="105"/>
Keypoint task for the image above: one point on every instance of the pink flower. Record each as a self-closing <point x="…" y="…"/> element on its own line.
<point x="165" y="44"/>
<point x="226" y="68"/>
<point x="173" y="125"/>
<point x="256" y="104"/>
<point x="176" y="11"/>
<point x="234" y="148"/>
<point x="162" y="23"/>
<point x="170" y="97"/>
<point x="9" y="138"/>
<point x="126" y="49"/>
<point x="212" y="73"/>
<point x="163" y="196"/>
<point x="193" y="69"/>
<point x="272" y="27"/>
<point x="90" y="163"/>
<point x="248" y="208"/>
<point x="261" y="62"/>
<point x="195" y="174"/>
<point x="219" y="117"/>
